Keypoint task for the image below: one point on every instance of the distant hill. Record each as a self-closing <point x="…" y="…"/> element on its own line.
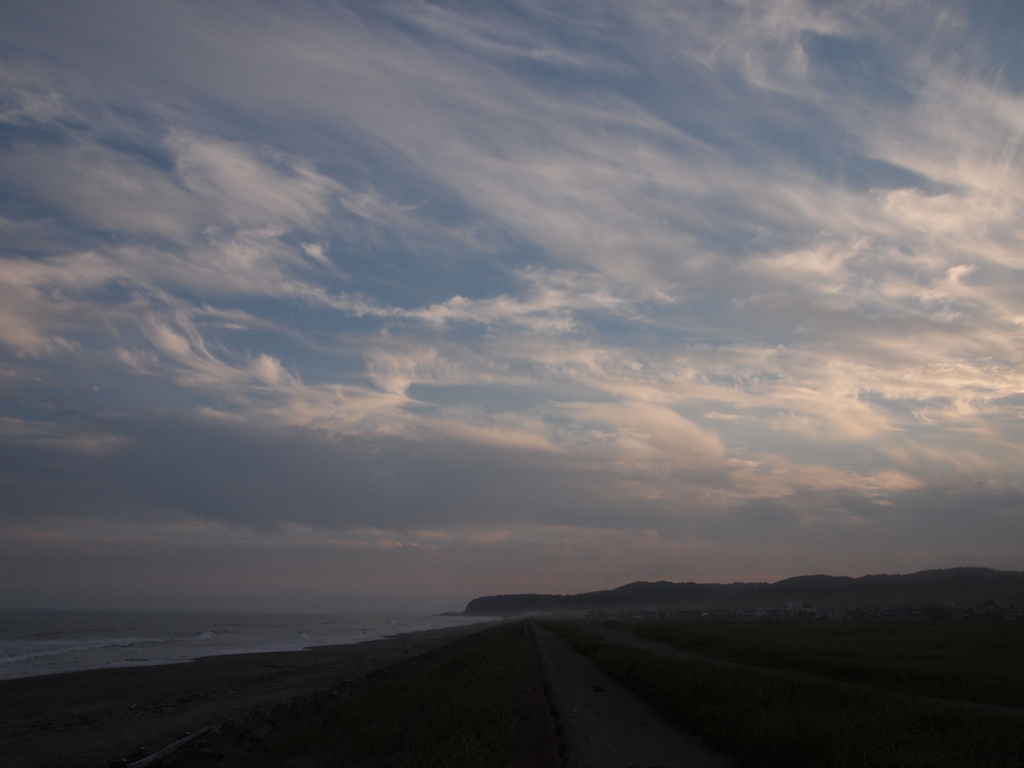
<point x="964" y="586"/>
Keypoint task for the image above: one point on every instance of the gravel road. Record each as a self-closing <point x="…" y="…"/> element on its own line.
<point x="607" y="725"/>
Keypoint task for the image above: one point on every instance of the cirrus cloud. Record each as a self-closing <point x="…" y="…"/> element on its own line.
<point x="470" y="286"/>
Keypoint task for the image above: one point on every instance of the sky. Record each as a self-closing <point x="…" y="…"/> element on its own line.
<point x="381" y="306"/>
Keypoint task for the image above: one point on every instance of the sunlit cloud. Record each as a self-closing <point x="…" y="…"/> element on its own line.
<point x="617" y="291"/>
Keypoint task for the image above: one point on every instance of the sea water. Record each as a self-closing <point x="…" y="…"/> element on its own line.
<point x="47" y="642"/>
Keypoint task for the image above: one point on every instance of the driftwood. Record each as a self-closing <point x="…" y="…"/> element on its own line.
<point x="181" y="743"/>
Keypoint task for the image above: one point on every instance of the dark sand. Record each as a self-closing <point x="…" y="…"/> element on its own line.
<point x="86" y="719"/>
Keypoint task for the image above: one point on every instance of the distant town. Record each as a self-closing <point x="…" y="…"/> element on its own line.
<point x="797" y="610"/>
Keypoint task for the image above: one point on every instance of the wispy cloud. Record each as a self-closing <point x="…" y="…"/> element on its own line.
<point x="518" y="279"/>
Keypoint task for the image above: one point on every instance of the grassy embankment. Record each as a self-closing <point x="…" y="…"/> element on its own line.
<point x="456" y="712"/>
<point x="978" y="661"/>
<point x="767" y="719"/>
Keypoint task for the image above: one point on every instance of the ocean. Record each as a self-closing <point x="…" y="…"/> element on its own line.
<point x="47" y="642"/>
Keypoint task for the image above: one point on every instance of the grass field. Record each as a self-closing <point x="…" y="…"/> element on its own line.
<point x="772" y="720"/>
<point x="976" y="661"/>
<point x="458" y="712"/>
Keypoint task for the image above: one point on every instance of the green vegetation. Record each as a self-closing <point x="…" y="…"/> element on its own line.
<point x="768" y="720"/>
<point x="456" y="712"/>
<point x="977" y="661"/>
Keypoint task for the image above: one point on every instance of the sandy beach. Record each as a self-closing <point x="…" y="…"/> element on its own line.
<point x="87" y="719"/>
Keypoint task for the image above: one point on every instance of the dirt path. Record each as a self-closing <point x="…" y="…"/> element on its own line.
<point x="628" y="639"/>
<point x="533" y="745"/>
<point x="607" y="725"/>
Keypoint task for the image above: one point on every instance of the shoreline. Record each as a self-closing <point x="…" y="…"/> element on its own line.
<point x="85" y="719"/>
<point x="81" y="640"/>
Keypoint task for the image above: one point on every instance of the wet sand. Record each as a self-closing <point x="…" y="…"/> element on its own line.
<point x="87" y="719"/>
